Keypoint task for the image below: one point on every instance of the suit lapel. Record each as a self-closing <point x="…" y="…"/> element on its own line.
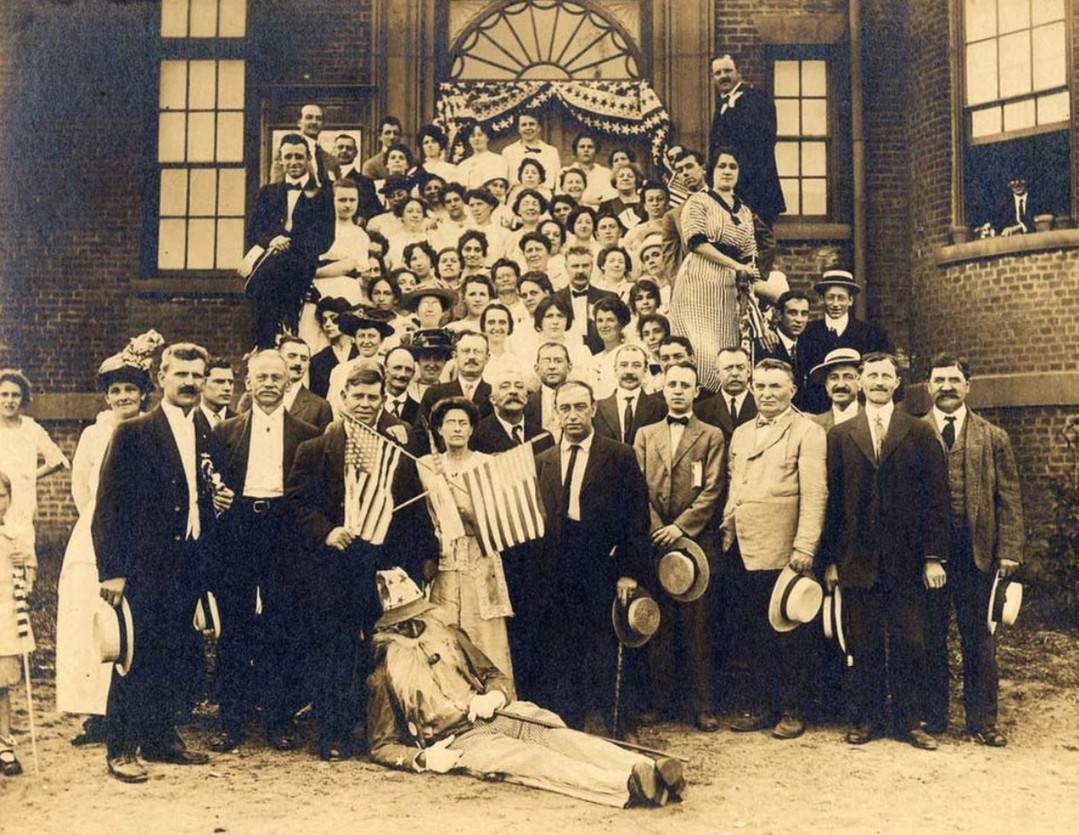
<point x="898" y="428"/>
<point x="239" y="452"/>
<point x="973" y="450"/>
<point x="775" y="432"/>
<point x="689" y="437"/>
<point x="607" y="411"/>
<point x="863" y="438"/>
<point x="597" y="458"/>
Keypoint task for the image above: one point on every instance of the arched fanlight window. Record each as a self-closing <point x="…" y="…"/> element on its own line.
<point x="546" y="40"/>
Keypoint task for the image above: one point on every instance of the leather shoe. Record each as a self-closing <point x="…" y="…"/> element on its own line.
<point x="175" y="754"/>
<point x="282" y="739"/>
<point x="861" y="734"/>
<point x="749" y="722"/>
<point x="989" y="735"/>
<point x="790" y="726"/>
<point x="127" y="769"/>
<point x="331" y="752"/>
<point x="226" y="741"/>
<point x="920" y="739"/>
<point x="706" y="721"/>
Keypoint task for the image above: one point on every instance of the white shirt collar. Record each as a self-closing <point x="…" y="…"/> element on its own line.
<point x="846" y="412"/>
<point x="213" y="413"/>
<point x="739" y="399"/>
<point x="585" y="445"/>
<point x="838" y="325"/>
<point x="959" y="414"/>
<point x="260" y="417"/>
<point x="175" y="413"/>
<point x="302" y="181"/>
<point x="509" y="426"/>
<point x="290" y="394"/>
<point x="884" y="412"/>
<point x="788" y="341"/>
<point x="621" y="394"/>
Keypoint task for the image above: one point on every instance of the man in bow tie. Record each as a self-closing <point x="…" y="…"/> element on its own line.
<point x="745" y="121"/>
<point x="582" y="296"/>
<point x="531" y="146"/>
<point x="294" y="221"/>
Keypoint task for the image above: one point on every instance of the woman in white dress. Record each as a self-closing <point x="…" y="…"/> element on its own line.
<point x="82" y="681"/>
<point x="413" y="216"/>
<point x="615" y="268"/>
<point x="469" y="586"/>
<point x="482" y="164"/>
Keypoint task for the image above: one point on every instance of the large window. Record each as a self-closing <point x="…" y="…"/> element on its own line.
<point x="200" y="140"/>
<point x="1016" y="103"/>
<point x="804" y="134"/>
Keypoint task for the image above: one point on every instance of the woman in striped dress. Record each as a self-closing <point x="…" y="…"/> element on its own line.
<point x="717" y="230"/>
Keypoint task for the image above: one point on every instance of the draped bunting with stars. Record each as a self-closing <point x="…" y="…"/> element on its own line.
<point x="613" y="108"/>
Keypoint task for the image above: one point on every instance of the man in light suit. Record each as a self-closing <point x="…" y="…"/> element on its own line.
<point x="886" y="538"/>
<point x="987" y="536"/>
<point x="775" y="508"/>
<point x="733" y="405"/>
<point x="682" y="461"/>
<point x="620" y="416"/>
<point x="838" y="373"/>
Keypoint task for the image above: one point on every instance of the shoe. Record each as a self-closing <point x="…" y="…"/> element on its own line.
<point x="673" y="775"/>
<point x="175" y="754"/>
<point x="919" y="738"/>
<point x="989" y="735"/>
<point x="646" y="784"/>
<point x="282" y="739"/>
<point x="862" y="733"/>
<point x="749" y="722"/>
<point x="594" y="724"/>
<point x="332" y="752"/>
<point x="226" y="741"/>
<point x="127" y="769"/>
<point x="790" y="726"/>
<point x="706" y="721"/>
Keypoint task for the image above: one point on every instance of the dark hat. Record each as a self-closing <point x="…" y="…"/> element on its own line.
<point x="369" y="317"/>
<point x="434" y="340"/>
<point x="207" y="617"/>
<point x="410" y="301"/>
<point x="839" y="356"/>
<point x="832" y="621"/>
<point x="131" y="365"/>
<point x="683" y="571"/>
<point x="795" y="600"/>
<point x="836" y="278"/>
<point x="114" y="635"/>
<point x="636" y="620"/>
<point x="1005" y="598"/>
<point x="331" y="304"/>
<point x="394" y="183"/>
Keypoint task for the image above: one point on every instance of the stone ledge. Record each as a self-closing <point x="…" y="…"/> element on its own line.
<point x="1014" y="245"/>
<point x="801" y="28"/>
<point x="797" y="231"/>
<point x="229" y="285"/>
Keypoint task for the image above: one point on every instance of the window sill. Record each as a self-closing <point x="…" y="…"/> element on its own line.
<point x="1014" y="245"/>
<point x="809" y="231"/>
<point x="222" y="284"/>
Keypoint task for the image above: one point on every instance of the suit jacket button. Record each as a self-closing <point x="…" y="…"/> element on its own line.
<point x="177" y="537"/>
<point x="176" y="509"/>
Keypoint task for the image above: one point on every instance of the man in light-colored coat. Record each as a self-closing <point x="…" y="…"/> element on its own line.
<point x="776" y="501"/>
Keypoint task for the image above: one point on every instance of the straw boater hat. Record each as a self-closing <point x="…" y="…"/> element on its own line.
<point x="836" y="278"/>
<point x="370" y="317"/>
<point x="636" y="620"/>
<point x="1005" y="598"/>
<point x="772" y="287"/>
<point x="445" y="296"/>
<point x="400" y="598"/>
<point x="207" y="617"/>
<point x="683" y="571"/>
<point x="796" y="599"/>
<point x="131" y="365"/>
<point x="840" y="356"/>
<point x="832" y="620"/>
<point x="114" y="635"/>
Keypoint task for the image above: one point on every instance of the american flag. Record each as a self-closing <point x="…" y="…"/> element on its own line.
<point x="370" y="463"/>
<point x="22" y="610"/>
<point x="505" y="499"/>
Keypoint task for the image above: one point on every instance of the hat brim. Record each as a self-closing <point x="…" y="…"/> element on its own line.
<point x="126" y="374"/>
<point x="120" y="619"/>
<point x="819" y="371"/>
<point x="384" y="328"/>
<point x="445" y="350"/>
<point x="819" y="287"/>
<point x="627" y="636"/>
<point x="775" y="603"/>
<point x="704" y="572"/>
<point x="403" y="613"/>
<point x="989" y="621"/>
<point x="410" y="301"/>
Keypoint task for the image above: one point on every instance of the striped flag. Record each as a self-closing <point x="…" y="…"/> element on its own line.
<point x="370" y="464"/>
<point x="22" y="610"/>
<point x="505" y="499"/>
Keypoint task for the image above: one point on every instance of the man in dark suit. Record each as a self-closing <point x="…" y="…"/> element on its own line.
<point x="294" y="221"/>
<point x="216" y="402"/>
<point x="885" y="541"/>
<point x="339" y="581"/>
<point x="621" y="415"/>
<point x="745" y="122"/>
<point x="581" y="296"/>
<point x="344" y="147"/>
<point x="1016" y="212"/>
<point x="785" y="342"/>
<point x="838" y="329"/>
<point x="152" y="509"/>
<point x="596" y="545"/>
<point x="839" y="376"/>
<point x="470" y="355"/>
<point x="682" y="461"/>
<point x="251" y="559"/>
<point x="400" y="369"/>
<point x="987" y="537"/>
<point x="552" y="367"/>
<point x="299" y="400"/>
<point x="509" y="425"/>
<point x="733" y="405"/>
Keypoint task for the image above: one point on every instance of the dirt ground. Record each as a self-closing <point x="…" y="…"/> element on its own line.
<point x="738" y="783"/>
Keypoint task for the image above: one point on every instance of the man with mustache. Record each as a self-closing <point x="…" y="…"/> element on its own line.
<point x="839" y="375"/>
<point x="886" y="538"/>
<point x="988" y="537"/>
<point x="629" y="408"/>
<point x="400" y="370"/>
<point x="582" y="296"/>
<point x="300" y="400"/>
<point x="733" y="404"/>
<point x="470" y="355"/>
<point x="509" y="425"/>
<point x="252" y="557"/>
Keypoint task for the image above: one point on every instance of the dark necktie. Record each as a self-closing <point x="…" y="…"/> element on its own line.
<point x="948" y="432"/>
<point x="518" y="435"/>
<point x="679" y="421"/>
<point x="734" y="409"/>
<point x="395" y="407"/>
<point x="294" y="186"/>
<point x="579" y="294"/>
<point x="567" y="485"/>
<point x="532" y="150"/>
<point x="627" y="422"/>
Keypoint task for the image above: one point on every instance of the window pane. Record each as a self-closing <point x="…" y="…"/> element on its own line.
<point x="1050" y="61"/>
<point x="170" y="137"/>
<point x="787" y="159"/>
<point x="230" y="191"/>
<point x="814" y="159"/>
<point x="203" y="18"/>
<point x="174" y="191"/>
<point x="1019" y="115"/>
<point x="230" y="243"/>
<point x="230" y="137"/>
<point x="203" y="191"/>
<point x="203" y="85"/>
<point x="815" y="117"/>
<point x="1014" y="15"/>
<point x="981" y="72"/>
<point x="230" y="87"/>
<point x="200" y="137"/>
<point x="980" y="19"/>
<point x="1014" y="64"/>
<point x="791" y="197"/>
<point x="786" y="78"/>
<point x="787" y="117"/>
<point x="200" y="244"/>
<point x="985" y="122"/>
<point x="232" y="21"/>
<point x="170" y="244"/>
<point x="1046" y="10"/>
<point x="814" y="81"/>
<point x="1053" y="108"/>
<point x="814" y="197"/>
<point x="173" y="85"/>
<point x="174" y="18"/>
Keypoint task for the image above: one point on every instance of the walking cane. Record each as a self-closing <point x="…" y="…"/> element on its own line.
<point x="22" y="625"/>
<point x="617" y="691"/>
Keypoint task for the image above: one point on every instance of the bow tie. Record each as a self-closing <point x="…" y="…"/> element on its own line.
<point x="763" y="421"/>
<point x="532" y="150"/>
<point x="579" y="294"/>
<point x="679" y="421"/>
<point x="294" y="186"/>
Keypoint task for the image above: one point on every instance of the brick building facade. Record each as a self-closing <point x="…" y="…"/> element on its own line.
<point x="80" y="80"/>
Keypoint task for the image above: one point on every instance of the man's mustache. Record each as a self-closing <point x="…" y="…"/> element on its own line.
<point x="189" y="390"/>
<point x="841" y="389"/>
